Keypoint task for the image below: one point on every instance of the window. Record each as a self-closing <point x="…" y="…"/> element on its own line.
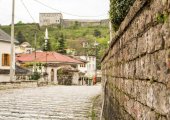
<point x="5" y="60"/>
<point x="82" y="65"/>
<point x="89" y="66"/>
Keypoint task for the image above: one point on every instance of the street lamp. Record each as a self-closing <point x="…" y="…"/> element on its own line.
<point x="95" y="77"/>
<point x="35" y="47"/>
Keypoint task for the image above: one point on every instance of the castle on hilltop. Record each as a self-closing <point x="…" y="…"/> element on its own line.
<point x="47" y="19"/>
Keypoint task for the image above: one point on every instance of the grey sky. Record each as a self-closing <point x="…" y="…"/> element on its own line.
<point x="98" y="8"/>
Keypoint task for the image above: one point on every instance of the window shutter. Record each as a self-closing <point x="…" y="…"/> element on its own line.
<point x="8" y="60"/>
<point x="2" y="59"/>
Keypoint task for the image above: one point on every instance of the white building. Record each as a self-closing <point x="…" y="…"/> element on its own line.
<point x="88" y="68"/>
<point x="25" y="47"/>
<point x="5" y="50"/>
<point x="50" y="19"/>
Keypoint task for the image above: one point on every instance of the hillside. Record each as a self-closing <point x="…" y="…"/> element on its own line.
<point x="74" y="36"/>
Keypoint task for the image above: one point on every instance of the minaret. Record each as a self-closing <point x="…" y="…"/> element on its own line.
<point x="46" y="39"/>
<point x="46" y="34"/>
<point x="46" y="49"/>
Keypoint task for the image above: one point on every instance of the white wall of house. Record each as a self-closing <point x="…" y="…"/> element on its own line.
<point x="75" y="80"/>
<point x="89" y="67"/>
<point x="4" y="78"/>
<point x="5" y="48"/>
<point x="20" y="49"/>
<point x="49" y="71"/>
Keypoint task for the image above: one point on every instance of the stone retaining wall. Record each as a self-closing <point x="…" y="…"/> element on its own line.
<point x="137" y="65"/>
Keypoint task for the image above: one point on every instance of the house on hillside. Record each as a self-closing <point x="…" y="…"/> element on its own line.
<point x="25" y="47"/>
<point x="50" y="63"/>
<point x="5" y="50"/>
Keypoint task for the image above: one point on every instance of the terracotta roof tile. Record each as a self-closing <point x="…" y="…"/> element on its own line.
<point x="50" y="58"/>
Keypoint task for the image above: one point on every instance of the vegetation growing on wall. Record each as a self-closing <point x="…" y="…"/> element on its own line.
<point x="118" y="11"/>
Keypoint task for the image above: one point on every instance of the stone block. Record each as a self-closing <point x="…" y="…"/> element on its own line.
<point x="154" y="39"/>
<point x="157" y="38"/>
<point x="141" y="46"/>
<point x="165" y="32"/>
<point x="149" y="96"/>
<point x="141" y="112"/>
<point x="128" y="86"/>
<point x="150" y="41"/>
<point x="131" y="70"/>
<point x="161" y="97"/>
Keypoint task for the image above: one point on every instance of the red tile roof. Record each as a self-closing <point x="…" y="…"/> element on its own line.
<point x="52" y="57"/>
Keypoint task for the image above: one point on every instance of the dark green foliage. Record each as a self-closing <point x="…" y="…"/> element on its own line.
<point x="20" y="23"/>
<point x="162" y="18"/>
<point x="60" y="48"/>
<point x="35" y="76"/>
<point x="97" y="33"/>
<point x="20" y="37"/>
<point x="47" y="46"/>
<point x="76" y="25"/>
<point x="118" y="11"/>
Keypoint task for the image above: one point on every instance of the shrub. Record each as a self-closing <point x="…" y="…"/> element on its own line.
<point x="118" y="11"/>
<point x="35" y="76"/>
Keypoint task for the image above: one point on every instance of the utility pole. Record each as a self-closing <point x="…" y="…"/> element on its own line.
<point x="35" y="47"/>
<point x="12" y="63"/>
<point x="35" y="37"/>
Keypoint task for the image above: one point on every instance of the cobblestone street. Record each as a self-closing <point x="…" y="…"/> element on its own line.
<point x="48" y="103"/>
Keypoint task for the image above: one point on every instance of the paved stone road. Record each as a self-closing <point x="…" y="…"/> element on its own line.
<point x="48" y="103"/>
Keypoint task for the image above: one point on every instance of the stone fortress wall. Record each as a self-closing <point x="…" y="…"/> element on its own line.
<point x="47" y="19"/>
<point x="84" y="23"/>
<point x="137" y="65"/>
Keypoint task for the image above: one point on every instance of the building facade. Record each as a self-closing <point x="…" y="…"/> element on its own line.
<point x="47" y="19"/>
<point x="47" y="63"/>
<point x="88" y="68"/>
<point x="25" y="47"/>
<point x="5" y="50"/>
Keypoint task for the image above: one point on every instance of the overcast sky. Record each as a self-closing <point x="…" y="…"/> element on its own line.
<point x="96" y="8"/>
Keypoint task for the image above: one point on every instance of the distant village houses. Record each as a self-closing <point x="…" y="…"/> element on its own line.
<point x="60" y="69"/>
<point x="24" y="47"/>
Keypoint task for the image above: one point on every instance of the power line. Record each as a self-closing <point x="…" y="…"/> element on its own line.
<point x="27" y="11"/>
<point x="65" y="12"/>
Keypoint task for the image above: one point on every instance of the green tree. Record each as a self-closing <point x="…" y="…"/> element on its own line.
<point x="97" y="33"/>
<point x="118" y="11"/>
<point x="20" y="37"/>
<point x="60" y="45"/>
<point x="47" y="46"/>
<point x="20" y="23"/>
<point x="76" y="25"/>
